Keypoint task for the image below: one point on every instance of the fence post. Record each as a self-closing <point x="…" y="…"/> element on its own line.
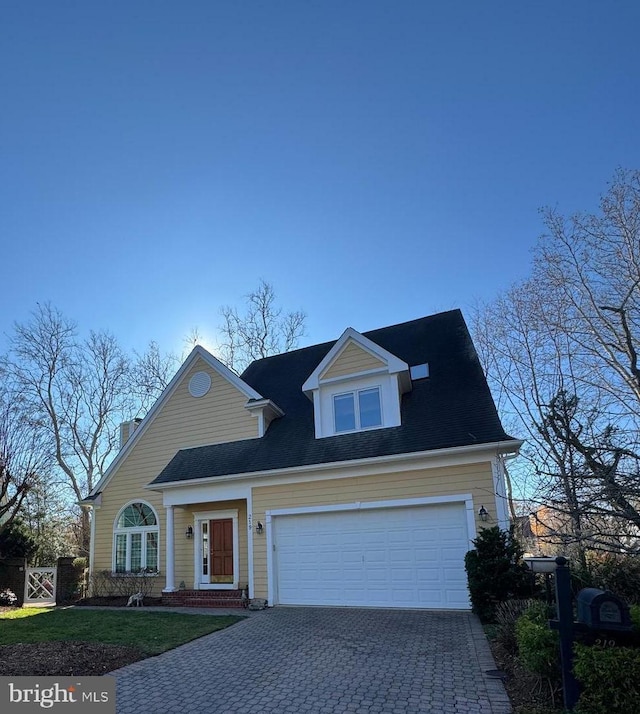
<point x="69" y="580"/>
<point x="12" y="576"/>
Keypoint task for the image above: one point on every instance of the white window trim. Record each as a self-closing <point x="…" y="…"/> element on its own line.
<point x="129" y="531"/>
<point x="356" y="407"/>
<point x="198" y="519"/>
<point x="389" y="391"/>
<point x="354" y="375"/>
<point x="465" y="498"/>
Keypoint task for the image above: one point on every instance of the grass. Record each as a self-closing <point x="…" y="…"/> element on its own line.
<point x="150" y="632"/>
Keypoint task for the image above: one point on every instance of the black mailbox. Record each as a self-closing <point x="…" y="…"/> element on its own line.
<point x="602" y="610"/>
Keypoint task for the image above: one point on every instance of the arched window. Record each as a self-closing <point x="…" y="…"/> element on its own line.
<point x="135" y="539"/>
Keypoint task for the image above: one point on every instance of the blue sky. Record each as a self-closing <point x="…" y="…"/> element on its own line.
<point x="375" y="161"/>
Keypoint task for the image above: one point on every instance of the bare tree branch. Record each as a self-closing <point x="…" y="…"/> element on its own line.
<point x="561" y="354"/>
<point x="260" y="331"/>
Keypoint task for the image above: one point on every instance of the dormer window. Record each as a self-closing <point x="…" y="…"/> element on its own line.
<point x="357" y="386"/>
<point x="357" y="410"/>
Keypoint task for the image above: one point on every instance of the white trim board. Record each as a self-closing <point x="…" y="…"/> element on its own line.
<point x="454" y="456"/>
<point x="369" y="505"/>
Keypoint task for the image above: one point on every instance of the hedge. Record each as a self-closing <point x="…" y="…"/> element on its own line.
<point x="609" y="678"/>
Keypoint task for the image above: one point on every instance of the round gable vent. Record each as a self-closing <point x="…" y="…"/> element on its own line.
<point x="199" y="384"/>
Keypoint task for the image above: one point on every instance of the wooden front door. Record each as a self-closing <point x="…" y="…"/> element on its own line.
<point x="221" y="544"/>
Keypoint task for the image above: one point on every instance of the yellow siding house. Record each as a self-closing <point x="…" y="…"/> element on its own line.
<point x="350" y="473"/>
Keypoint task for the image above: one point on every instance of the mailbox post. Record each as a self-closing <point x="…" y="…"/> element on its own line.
<point x="564" y="622"/>
<point x="598" y="611"/>
<point x="564" y="625"/>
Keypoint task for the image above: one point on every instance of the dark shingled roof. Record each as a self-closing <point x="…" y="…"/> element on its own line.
<point x="452" y="407"/>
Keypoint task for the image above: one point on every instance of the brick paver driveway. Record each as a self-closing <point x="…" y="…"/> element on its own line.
<point x="323" y="660"/>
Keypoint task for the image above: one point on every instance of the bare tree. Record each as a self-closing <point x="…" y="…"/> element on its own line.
<point x="528" y="363"/>
<point x="76" y="391"/>
<point x="592" y="263"/>
<point x="24" y="457"/>
<point x="606" y="474"/>
<point x="561" y="354"/>
<point x="151" y="372"/>
<point x="262" y="330"/>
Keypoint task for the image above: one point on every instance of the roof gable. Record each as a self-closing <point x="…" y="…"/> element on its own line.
<point x="381" y="358"/>
<point x="352" y="360"/>
<point x="198" y="353"/>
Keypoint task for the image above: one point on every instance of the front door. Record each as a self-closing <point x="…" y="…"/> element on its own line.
<point x="221" y="550"/>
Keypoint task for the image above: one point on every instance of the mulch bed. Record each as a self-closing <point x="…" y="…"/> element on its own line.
<point x="60" y="659"/>
<point x="116" y="601"/>
<point x="526" y="692"/>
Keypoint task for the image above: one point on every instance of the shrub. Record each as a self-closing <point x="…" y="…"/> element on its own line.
<point x="507" y="614"/>
<point x="495" y="571"/>
<point x="538" y="644"/>
<point x="610" y="679"/>
<point x="8" y="598"/>
<point x="618" y="573"/>
<point x="17" y="541"/>
<point x="634" y="611"/>
<point x="104" y="583"/>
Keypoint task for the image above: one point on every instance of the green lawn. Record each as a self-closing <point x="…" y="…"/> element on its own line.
<point x="151" y="632"/>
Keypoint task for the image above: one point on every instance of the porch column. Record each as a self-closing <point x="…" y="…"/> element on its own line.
<point x="169" y="585"/>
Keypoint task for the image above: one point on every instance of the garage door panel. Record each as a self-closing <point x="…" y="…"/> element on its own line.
<point x="453" y="576"/>
<point x="326" y="557"/>
<point x="353" y="575"/>
<point x="426" y="556"/>
<point x="451" y="534"/>
<point x="426" y="577"/>
<point x="374" y="557"/>
<point x="402" y="577"/>
<point x="424" y="537"/>
<point x="400" y="557"/>
<point x="454" y="599"/>
<point x="352" y="556"/>
<point x="350" y="538"/>
<point x="387" y="557"/>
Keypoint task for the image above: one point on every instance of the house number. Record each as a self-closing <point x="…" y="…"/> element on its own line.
<point x="250" y="521"/>
<point x="606" y="643"/>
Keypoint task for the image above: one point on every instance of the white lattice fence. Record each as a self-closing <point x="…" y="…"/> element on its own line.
<point x="40" y="586"/>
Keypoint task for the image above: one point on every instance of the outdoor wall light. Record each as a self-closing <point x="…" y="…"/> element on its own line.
<point x="259" y="528"/>
<point x="189" y="533"/>
<point x="483" y="513"/>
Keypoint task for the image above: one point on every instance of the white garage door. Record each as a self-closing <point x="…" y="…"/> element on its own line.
<point x="384" y="557"/>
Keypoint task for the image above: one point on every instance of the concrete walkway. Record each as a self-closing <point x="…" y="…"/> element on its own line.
<point x="322" y="660"/>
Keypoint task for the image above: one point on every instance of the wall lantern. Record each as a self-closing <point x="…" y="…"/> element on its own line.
<point x="189" y="533"/>
<point x="483" y="513"/>
<point x="259" y="528"/>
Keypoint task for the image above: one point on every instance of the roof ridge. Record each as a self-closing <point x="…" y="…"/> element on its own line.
<point x="328" y="344"/>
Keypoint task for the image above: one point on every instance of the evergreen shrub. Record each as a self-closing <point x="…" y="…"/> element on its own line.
<point x="496" y="572"/>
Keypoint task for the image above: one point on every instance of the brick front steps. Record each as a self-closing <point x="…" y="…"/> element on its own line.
<point x="204" y="598"/>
